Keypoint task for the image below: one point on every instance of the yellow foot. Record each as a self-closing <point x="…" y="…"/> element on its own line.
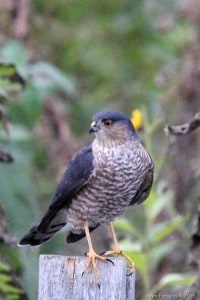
<point x="92" y="256"/>
<point x="118" y="252"/>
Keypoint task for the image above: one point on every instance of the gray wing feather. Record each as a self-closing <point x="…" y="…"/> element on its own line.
<point x="74" y="179"/>
<point x="144" y="189"/>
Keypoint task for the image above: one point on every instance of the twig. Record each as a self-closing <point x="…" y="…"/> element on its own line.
<point x="21" y="10"/>
<point x="5" y="156"/>
<point x="184" y="128"/>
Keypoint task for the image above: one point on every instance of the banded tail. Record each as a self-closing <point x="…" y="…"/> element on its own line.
<point x="42" y="232"/>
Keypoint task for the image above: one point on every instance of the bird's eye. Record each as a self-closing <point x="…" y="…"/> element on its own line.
<point x="107" y="122"/>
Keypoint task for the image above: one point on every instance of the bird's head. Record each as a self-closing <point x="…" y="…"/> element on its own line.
<point x="111" y="125"/>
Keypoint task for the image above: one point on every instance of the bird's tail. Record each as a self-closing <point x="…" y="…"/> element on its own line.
<point x="42" y="232"/>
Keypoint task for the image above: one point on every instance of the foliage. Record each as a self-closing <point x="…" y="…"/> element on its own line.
<point x="24" y="108"/>
<point x="6" y="286"/>
<point x="155" y="227"/>
<point x="87" y="56"/>
<point x="152" y="244"/>
<point x="10" y="80"/>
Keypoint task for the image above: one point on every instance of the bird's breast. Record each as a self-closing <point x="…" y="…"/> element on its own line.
<point x="118" y="170"/>
<point x="117" y="176"/>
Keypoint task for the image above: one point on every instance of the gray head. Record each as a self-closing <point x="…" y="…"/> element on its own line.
<point x="112" y="125"/>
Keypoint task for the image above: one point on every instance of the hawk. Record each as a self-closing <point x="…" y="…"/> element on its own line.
<point x="101" y="181"/>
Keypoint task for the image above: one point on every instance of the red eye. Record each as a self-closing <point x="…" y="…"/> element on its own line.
<point x="107" y="122"/>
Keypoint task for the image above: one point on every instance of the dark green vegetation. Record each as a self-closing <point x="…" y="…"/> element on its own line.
<point x="61" y="61"/>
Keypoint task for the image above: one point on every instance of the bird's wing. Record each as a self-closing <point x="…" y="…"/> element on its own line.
<point x="144" y="189"/>
<point x="74" y="179"/>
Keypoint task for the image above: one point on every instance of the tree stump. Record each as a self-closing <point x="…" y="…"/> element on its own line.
<point x="60" y="278"/>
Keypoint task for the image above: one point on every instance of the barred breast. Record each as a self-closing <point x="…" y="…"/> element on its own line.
<point x="118" y="173"/>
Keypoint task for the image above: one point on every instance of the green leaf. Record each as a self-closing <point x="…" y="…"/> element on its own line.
<point x="126" y="225"/>
<point x="27" y="111"/>
<point x="174" y="279"/>
<point x="4" y="267"/>
<point x="157" y="202"/>
<point x="46" y="77"/>
<point x="158" y="252"/>
<point x="7" y="288"/>
<point x="17" y="133"/>
<point x="140" y="260"/>
<point x="31" y="105"/>
<point x="151" y="199"/>
<point x="134" y="251"/>
<point x="11" y="81"/>
<point x="14" y="53"/>
<point x="162" y="230"/>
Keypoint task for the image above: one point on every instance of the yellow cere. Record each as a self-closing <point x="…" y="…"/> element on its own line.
<point x="137" y="119"/>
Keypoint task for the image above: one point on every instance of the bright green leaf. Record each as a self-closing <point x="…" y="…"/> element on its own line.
<point x="4" y="267"/>
<point x="11" y="81"/>
<point x="140" y="260"/>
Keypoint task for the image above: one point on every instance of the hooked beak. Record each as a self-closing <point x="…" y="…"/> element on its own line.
<point x="93" y="127"/>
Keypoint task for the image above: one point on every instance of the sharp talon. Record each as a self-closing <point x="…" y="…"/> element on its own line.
<point x="91" y="262"/>
<point x="102" y="253"/>
<point x="109" y="260"/>
<point x="131" y="270"/>
<point x="117" y="251"/>
<point x="98" y="285"/>
<point x="85" y="253"/>
<point x="82" y="273"/>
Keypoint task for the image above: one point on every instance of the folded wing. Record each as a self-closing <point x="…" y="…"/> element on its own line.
<point x="74" y="179"/>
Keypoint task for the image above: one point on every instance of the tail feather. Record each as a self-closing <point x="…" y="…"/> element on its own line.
<point x="43" y="231"/>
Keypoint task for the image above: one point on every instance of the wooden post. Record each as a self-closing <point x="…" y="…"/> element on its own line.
<point x="60" y="278"/>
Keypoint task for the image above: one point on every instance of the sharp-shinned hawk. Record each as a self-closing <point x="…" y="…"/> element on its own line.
<point x="101" y="181"/>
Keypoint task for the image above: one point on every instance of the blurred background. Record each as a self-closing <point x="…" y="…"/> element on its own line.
<point x="60" y="62"/>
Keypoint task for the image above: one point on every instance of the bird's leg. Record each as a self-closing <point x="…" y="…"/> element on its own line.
<point x="92" y="255"/>
<point x="117" y="250"/>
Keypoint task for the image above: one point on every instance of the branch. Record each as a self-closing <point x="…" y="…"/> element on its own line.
<point x="21" y="10"/>
<point x="5" y="156"/>
<point x="184" y="128"/>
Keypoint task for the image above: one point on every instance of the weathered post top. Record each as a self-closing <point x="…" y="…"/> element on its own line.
<point x="60" y="278"/>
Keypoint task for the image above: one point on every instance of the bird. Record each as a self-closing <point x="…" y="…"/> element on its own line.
<point x="100" y="183"/>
